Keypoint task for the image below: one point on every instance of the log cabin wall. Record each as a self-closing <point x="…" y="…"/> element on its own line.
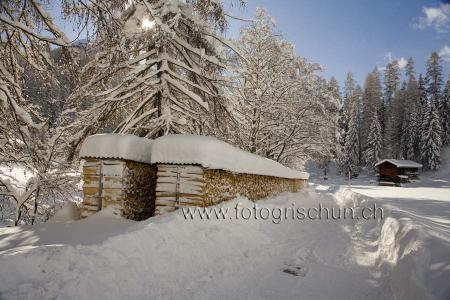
<point x="388" y="170"/>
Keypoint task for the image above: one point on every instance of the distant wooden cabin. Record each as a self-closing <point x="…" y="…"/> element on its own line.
<point x="396" y="171"/>
<point x="143" y="177"/>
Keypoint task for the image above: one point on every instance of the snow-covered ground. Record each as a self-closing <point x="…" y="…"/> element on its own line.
<point x="404" y="256"/>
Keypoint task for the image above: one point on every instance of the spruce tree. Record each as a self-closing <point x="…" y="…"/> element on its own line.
<point x="445" y="114"/>
<point x="411" y="121"/>
<point x="431" y="143"/>
<point x="394" y="124"/>
<point x="350" y="156"/>
<point x="374" y="143"/>
<point x="434" y="77"/>
<point x="159" y="71"/>
<point x="343" y="120"/>
<point x="371" y="101"/>
<point x="421" y="112"/>
<point x="391" y="81"/>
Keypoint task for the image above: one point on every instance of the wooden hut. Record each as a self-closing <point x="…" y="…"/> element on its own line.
<point x="174" y="171"/>
<point x="396" y="171"/>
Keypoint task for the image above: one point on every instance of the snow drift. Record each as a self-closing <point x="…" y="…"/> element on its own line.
<point x="410" y="250"/>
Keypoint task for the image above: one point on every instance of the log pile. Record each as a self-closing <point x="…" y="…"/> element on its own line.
<point x="222" y="185"/>
<point x="139" y="183"/>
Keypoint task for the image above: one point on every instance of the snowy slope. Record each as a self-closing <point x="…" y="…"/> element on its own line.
<point x="168" y="257"/>
<point x="411" y="246"/>
<point x="404" y="256"/>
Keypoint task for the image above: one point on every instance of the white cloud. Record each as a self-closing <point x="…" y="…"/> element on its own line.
<point x="436" y="17"/>
<point x="390" y="57"/>
<point x="402" y="62"/>
<point x="444" y="53"/>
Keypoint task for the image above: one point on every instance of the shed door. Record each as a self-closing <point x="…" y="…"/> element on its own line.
<point x="178" y="185"/>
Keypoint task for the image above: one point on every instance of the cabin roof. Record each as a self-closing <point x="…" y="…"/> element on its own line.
<point x="401" y="163"/>
<point x="206" y="151"/>
<point x="118" y="146"/>
<point x="212" y="153"/>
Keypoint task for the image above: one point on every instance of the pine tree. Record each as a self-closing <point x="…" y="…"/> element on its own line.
<point x="434" y="78"/>
<point x="349" y="89"/>
<point x="350" y="155"/>
<point x="445" y="114"/>
<point x="372" y="103"/>
<point x="334" y="92"/>
<point x="394" y="123"/>
<point x="420" y="112"/>
<point x="411" y="121"/>
<point x="391" y="81"/>
<point x="409" y="70"/>
<point x="431" y="142"/>
<point x="374" y="143"/>
<point x="344" y="118"/>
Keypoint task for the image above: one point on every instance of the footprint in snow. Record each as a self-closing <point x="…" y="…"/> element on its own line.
<point x="299" y="265"/>
<point x="294" y="270"/>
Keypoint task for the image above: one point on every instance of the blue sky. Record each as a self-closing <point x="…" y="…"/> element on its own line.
<point x="357" y="35"/>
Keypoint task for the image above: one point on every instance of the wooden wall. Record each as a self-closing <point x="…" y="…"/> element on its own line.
<point x="129" y="186"/>
<point x="179" y="185"/>
<point x="102" y="184"/>
<point x="140" y="190"/>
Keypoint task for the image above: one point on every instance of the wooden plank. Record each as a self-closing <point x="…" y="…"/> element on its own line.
<point x="91" y="170"/>
<point x="163" y="210"/>
<point x="183" y="189"/>
<point x="112" y="194"/>
<point x="113" y="170"/>
<point x="182" y="175"/>
<point x="90" y="190"/>
<point x="182" y="202"/>
<point x="182" y="181"/>
<point x="112" y="182"/>
<point x="183" y="169"/>
<point x="113" y="162"/>
<point x="90" y="207"/>
<point x="173" y="178"/>
<point x="92" y="163"/>
<point x="168" y="194"/>
<point x="169" y="202"/>
<point x="90" y="202"/>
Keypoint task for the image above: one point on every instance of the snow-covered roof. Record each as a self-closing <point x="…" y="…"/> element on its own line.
<point x="399" y="163"/>
<point x="206" y="151"/>
<point x="123" y="146"/>
<point x="215" y="154"/>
